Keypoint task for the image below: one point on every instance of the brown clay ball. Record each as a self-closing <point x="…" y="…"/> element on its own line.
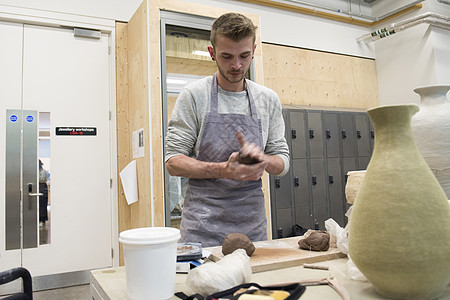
<point x="317" y="240"/>
<point x="235" y="241"/>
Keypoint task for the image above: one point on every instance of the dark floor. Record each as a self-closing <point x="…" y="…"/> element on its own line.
<point x="68" y="293"/>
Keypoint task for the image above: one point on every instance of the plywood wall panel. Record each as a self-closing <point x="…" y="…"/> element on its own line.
<point x="124" y="151"/>
<point x="307" y="77"/>
<point x="138" y="111"/>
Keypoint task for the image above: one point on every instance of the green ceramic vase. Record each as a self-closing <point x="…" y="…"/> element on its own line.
<point x="399" y="234"/>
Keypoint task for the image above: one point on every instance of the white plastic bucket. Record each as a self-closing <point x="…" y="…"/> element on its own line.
<point x="150" y="256"/>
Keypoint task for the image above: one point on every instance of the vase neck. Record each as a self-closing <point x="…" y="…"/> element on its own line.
<point x="392" y="125"/>
<point x="433" y="95"/>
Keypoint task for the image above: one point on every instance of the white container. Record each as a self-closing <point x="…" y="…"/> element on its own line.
<point x="150" y="256"/>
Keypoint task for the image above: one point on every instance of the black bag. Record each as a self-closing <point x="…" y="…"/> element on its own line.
<point x="295" y="290"/>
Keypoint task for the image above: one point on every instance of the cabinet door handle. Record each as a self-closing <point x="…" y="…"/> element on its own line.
<point x="294" y="133"/>
<point x="314" y="179"/>
<point x="296" y="181"/>
<point x="344" y="134"/>
<point x="358" y="134"/>
<point x="311" y="133"/>
<point x="331" y="179"/>
<point x="277" y="183"/>
<point x="328" y="134"/>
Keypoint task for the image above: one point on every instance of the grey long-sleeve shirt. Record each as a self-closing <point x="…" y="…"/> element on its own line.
<point x="188" y="118"/>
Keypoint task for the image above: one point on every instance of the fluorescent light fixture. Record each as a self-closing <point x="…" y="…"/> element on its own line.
<point x="202" y="53"/>
<point x="176" y="81"/>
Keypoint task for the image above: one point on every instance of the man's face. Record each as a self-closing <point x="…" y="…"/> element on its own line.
<point x="233" y="58"/>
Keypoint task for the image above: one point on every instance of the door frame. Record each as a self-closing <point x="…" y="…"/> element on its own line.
<point x="55" y="19"/>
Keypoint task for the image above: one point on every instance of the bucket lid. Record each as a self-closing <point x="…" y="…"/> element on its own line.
<point x="149" y="235"/>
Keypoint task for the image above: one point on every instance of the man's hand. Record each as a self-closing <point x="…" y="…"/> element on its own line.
<point x="247" y="164"/>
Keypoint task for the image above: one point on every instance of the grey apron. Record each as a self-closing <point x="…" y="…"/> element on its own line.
<point x="214" y="208"/>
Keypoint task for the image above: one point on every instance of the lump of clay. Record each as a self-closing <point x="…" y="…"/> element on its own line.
<point x="317" y="240"/>
<point x="235" y="241"/>
<point x="247" y="160"/>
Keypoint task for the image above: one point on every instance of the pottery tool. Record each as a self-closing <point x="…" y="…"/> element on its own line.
<point x="317" y="267"/>
<point x="331" y="281"/>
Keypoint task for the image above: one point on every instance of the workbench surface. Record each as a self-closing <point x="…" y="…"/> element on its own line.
<point x="109" y="284"/>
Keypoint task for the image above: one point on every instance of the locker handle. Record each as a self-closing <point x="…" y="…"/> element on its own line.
<point x="277" y="183"/>
<point x="311" y="133"/>
<point x="358" y="134"/>
<point x="372" y="134"/>
<point x="344" y="134"/>
<point x="294" y="133"/>
<point x="328" y="134"/>
<point x="296" y="181"/>
<point x="331" y="179"/>
<point x="314" y="179"/>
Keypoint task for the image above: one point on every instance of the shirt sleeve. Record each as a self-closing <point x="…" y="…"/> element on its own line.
<point x="182" y="130"/>
<point x="276" y="141"/>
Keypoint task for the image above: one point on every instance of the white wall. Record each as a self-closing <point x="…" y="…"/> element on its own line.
<point x="301" y="30"/>
<point x="417" y="56"/>
<point x="120" y="10"/>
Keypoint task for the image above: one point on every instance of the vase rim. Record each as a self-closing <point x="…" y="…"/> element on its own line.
<point x="394" y="105"/>
<point x="433" y="86"/>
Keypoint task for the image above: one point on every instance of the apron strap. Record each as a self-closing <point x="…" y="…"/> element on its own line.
<point x="215" y="97"/>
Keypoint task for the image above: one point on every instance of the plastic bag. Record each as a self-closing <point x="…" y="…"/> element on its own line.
<point x="341" y="235"/>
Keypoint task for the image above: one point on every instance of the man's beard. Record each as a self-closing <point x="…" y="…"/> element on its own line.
<point x="224" y="75"/>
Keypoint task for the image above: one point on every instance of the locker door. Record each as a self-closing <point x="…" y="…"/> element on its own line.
<point x="281" y="204"/>
<point x="318" y="191"/>
<point x="335" y="191"/>
<point x="348" y="134"/>
<point x="297" y="132"/>
<point x="301" y="193"/>
<point x="362" y="134"/>
<point x="315" y="134"/>
<point x="331" y="134"/>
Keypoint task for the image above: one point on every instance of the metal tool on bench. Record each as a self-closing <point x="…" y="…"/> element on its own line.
<point x="330" y="280"/>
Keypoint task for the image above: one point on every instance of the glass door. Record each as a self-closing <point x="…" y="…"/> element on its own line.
<point x="185" y="58"/>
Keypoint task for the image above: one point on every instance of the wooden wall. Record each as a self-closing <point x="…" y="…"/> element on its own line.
<point x="308" y="77"/>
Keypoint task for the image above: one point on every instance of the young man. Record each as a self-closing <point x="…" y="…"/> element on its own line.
<point x="215" y="120"/>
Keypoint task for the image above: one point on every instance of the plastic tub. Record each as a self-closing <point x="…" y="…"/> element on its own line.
<point x="150" y="256"/>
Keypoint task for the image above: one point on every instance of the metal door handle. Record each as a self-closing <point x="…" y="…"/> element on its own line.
<point x="35" y="194"/>
<point x="293" y="133"/>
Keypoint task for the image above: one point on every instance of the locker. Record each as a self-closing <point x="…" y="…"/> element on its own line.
<point x="347" y="134"/>
<point x="296" y="134"/>
<point x="331" y="134"/>
<point x="324" y="145"/>
<point x="303" y="216"/>
<point x="300" y="182"/>
<point x="315" y="134"/>
<point x="363" y="162"/>
<point x="335" y="191"/>
<point x="318" y="187"/>
<point x="284" y="223"/>
<point x="362" y="134"/>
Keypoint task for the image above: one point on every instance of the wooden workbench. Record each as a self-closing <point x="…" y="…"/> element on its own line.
<point x="282" y="264"/>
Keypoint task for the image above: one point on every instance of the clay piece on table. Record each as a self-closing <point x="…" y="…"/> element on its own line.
<point x="235" y="241"/>
<point x="317" y="240"/>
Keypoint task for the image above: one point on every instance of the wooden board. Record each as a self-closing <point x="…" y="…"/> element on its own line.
<point x="282" y="253"/>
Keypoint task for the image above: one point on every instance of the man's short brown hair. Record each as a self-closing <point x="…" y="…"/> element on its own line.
<point x="233" y="26"/>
